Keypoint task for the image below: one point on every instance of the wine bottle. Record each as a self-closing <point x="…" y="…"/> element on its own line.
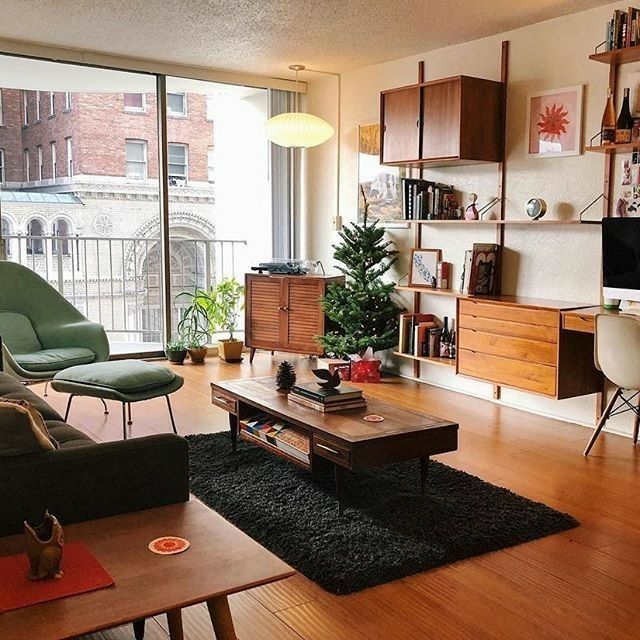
<point x="608" y="127"/>
<point x="625" y="121"/>
<point x="452" y="341"/>
<point x="445" y="339"/>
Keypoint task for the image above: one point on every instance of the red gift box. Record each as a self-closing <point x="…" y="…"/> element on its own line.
<point x="365" y="371"/>
<point x="344" y="370"/>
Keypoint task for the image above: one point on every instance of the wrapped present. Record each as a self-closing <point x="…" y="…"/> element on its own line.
<point x="365" y="368"/>
<point x="334" y="364"/>
<point x="344" y="370"/>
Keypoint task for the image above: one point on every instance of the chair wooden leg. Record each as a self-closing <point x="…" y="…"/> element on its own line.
<point x="602" y="422"/>
<point x="173" y="422"/>
<point x="636" y="422"/>
<point x="174" y="619"/>
<point x="129" y="420"/>
<point x="221" y="620"/>
<point x="138" y="629"/>
<point x="66" y="413"/>
<point x="124" y="420"/>
<point x="251" y="355"/>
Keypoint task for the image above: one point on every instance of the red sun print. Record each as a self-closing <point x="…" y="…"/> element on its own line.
<point x="168" y="545"/>
<point x="553" y="122"/>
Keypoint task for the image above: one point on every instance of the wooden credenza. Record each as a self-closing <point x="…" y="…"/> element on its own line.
<point x="520" y="343"/>
<point x="283" y="313"/>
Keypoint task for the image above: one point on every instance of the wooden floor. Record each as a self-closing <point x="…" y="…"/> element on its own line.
<point x="581" y="584"/>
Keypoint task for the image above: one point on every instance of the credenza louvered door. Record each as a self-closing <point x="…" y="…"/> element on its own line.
<point x="284" y="313"/>
<point x="264" y="326"/>
<point x="303" y="317"/>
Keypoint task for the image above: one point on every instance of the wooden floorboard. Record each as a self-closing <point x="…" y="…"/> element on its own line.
<point x="582" y="584"/>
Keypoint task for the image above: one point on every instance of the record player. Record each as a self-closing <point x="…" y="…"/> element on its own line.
<point x="287" y="267"/>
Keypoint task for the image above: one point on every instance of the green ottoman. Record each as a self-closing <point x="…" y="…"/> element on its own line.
<point x="125" y="381"/>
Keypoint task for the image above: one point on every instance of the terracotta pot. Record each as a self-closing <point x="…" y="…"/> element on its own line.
<point x="230" y="350"/>
<point x="198" y="355"/>
<point x="177" y="357"/>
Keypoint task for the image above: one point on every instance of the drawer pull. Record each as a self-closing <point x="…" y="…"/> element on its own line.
<point x="329" y="449"/>
<point x="222" y="399"/>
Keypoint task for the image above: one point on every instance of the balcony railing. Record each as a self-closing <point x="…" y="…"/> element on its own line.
<point x="118" y="281"/>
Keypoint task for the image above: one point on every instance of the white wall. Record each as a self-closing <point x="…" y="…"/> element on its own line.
<point x="555" y="262"/>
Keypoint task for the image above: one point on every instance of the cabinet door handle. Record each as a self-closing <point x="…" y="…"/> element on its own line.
<point x="418" y="123"/>
<point x="329" y="449"/>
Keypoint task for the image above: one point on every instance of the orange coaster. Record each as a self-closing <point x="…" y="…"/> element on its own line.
<point x="169" y="545"/>
<point x="372" y="417"/>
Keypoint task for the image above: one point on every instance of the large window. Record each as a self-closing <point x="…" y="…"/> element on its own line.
<point x="6" y="231"/>
<point x="35" y="233"/>
<point x="40" y="162"/>
<point x="2" y="167"/>
<point x="1" y="120"/>
<point x="52" y="103"/>
<point x="69" y="158"/>
<point x="61" y="229"/>
<point x="136" y="154"/>
<point x="134" y="102"/>
<point x="25" y="108"/>
<point x="67" y="100"/>
<point x="37" y="105"/>
<point x="27" y="165"/>
<point x="54" y="160"/>
<point x="178" y="169"/>
<point x="177" y="104"/>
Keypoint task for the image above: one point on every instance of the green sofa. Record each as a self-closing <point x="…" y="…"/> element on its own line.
<point x="42" y="332"/>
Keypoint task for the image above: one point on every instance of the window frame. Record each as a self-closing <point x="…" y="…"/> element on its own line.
<point x="177" y="114"/>
<point x="69" y="146"/>
<point x="3" y="168"/>
<point x="35" y="241"/>
<point x="67" y="100"/>
<point x="40" y="163"/>
<point x="144" y="162"/>
<point x="54" y="160"/>
<point x="141" y="109"/>
<point x="1" y="110"/>
<point x="38" y="114"/>
<point x="52" y="104"/>
<point x="25" y="108"/>
<point x="65" y="244"/>
<point x="27" y="164"/>
<point x="186" y="161"/>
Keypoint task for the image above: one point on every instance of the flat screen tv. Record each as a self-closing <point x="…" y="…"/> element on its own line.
<point x="621" y="258"/>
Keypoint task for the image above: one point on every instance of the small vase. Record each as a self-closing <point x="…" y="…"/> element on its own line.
<point x="44" y="547"/>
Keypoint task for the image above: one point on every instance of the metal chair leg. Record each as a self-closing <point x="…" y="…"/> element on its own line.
<point x="129" y="420"/>
<point x="46" y="387"/>
<point x="104" y="404"/>
<point x="173" y="422"/>
<point x="66" y="413"/>
<point x="636" y="422"/>
<point x="603" y="420"/>
<point x="124" y="421"/>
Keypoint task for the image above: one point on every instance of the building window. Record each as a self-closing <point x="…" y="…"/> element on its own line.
<point x="27" y="165"/>
<point x="134" y="102"/>
<point x="61" y="229"/>
<point x="54" y="161"/>
<point x="136" y="156"/>
<point x="52" y="103"/>
<point x="2" y="167"/>
<point x="67" y="100"/>
<point x="35" y="233"/>
<point x="211" y="105"/>
<point x="40" y="163"/>
<point x="177" y="104"/>
<point x="25" y="108"/>
<point x="1" y="116"/>
<point x="37" y="105"/>
<point x="178" y="169"/>
<point x="69" y="158"/>
<point x="210" y="165"/>
<point x="6" y="231"/>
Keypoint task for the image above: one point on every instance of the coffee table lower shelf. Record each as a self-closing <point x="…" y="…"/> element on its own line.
<point x="245" y="435"/>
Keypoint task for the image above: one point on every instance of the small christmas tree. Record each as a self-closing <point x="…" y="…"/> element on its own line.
<point x="362" y="311"/>
<point x="286" y="375"/>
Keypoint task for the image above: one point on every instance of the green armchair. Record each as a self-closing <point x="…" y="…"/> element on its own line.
<point x="42" y="333"/>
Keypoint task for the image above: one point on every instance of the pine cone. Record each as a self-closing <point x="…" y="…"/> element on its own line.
<point x="286" y="376"/>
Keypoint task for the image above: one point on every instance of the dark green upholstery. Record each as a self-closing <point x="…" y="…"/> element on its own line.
<point x="42" y="332"/>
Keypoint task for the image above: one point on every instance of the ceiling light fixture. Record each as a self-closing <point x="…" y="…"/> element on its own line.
<point x="297" y="129"/>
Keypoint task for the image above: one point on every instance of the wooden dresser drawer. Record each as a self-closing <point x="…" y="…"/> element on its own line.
<point x="331" y="451"/>
<point x="529" y="376"/>
<point x="525" y="315"/>
<point x="224" y="400"/>
<point x="508" y="346"/>
<point x="508" y="328"/>
<point x="575" y="322"/>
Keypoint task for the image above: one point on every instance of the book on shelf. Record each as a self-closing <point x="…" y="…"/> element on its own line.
<point x="355" y="403"/>
<point x="426" y="200"/>
<point x="420" y="342"/>
<point x="327" y="396"/>
<point x="623" y="30"/>
<point x="408" y="322"/>
<point x="278" y="434"/>
<point x="466" y="272"/>
<point x="485" y="266"/>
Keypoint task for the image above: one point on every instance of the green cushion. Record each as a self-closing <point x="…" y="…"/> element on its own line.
<point x="54" y="359"/>
<point x="18" y="333"/>
<point x="125" y="376"/>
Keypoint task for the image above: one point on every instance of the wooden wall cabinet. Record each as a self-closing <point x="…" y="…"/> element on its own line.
<point x="283" y="313"/>
<point x="452" y="121"/>
<point x="521" y="344"/>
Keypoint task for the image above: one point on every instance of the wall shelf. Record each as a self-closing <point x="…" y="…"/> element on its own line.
<point x="431" y="291"/>
<point x="446" y="362"/>
<point x="626" y="147"/>
<point x="618" y="56"/>
<point x="503" y="222"/>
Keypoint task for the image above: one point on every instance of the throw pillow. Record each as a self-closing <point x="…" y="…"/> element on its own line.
<point x="22" y="429"/>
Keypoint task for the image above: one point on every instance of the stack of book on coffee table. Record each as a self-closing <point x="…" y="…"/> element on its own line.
<point x="312" y="395"/>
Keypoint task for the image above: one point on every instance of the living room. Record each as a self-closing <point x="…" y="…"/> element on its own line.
<point x="257" y="382"/>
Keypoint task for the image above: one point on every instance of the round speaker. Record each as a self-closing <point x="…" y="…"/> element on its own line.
<point x="536" y="208"/>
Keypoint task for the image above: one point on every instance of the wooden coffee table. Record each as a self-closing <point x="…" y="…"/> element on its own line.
<point x="343" y="439"/>
<point x="221" y="560"/>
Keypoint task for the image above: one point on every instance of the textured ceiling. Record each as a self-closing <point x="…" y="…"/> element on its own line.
<point x="266" y="36"/>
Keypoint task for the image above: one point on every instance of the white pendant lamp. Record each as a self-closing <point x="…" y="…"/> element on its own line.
<point x="297" y="129"/>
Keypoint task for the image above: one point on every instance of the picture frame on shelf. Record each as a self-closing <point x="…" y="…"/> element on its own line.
<point x="424" y="267"/>
<point x="554" y="123"/>
<point x="382" y="185"/>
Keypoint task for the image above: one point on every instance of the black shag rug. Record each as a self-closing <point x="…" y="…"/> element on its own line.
<point x="388" y="530"/>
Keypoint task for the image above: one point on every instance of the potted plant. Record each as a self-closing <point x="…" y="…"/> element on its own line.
<point x="194" y="326"/>
<point x="176" y="351"/>
<point x="223" y="305"/>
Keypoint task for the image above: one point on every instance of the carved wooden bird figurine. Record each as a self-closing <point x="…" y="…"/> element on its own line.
<point x="44" y="547"/>
<point x="331" y="380"/>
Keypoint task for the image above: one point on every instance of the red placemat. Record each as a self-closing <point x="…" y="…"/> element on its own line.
<point x="82" y="573"/>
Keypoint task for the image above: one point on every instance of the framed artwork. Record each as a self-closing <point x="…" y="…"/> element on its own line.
<point x="554" y="123"/>
<point x="382" y="185"/>
<point x="423" y="268"/>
